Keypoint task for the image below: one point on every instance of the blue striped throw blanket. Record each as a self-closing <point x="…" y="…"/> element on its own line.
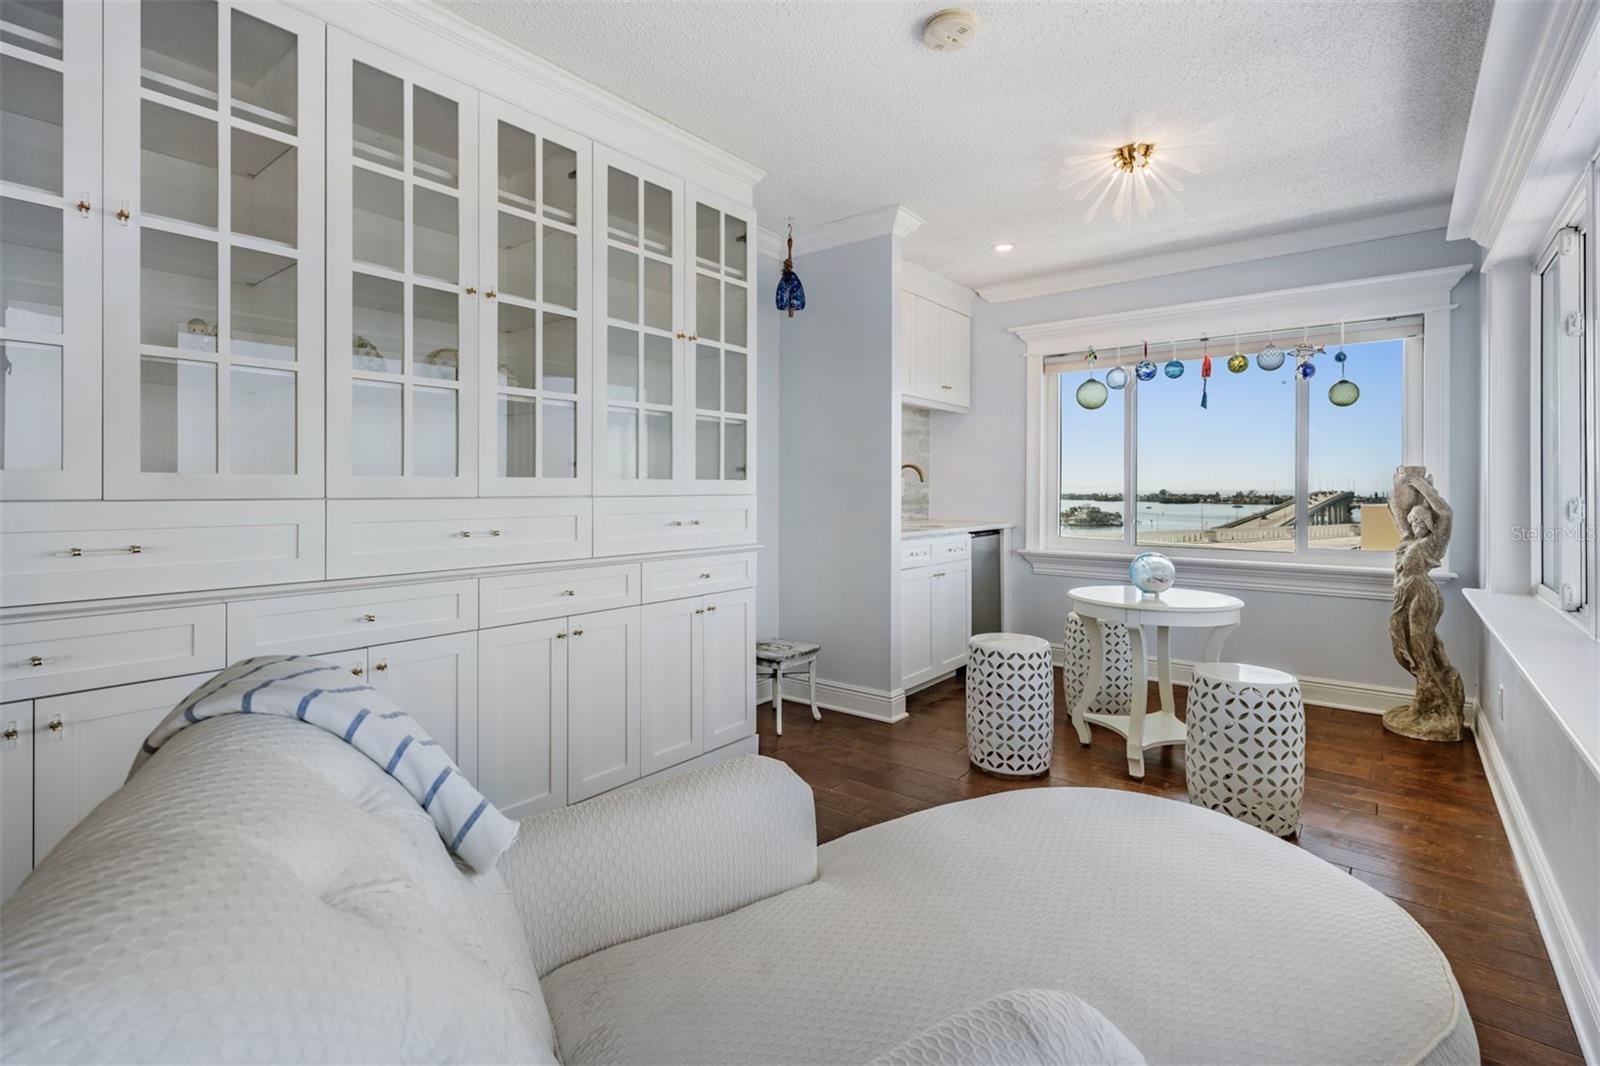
<point x="293" y="686"/>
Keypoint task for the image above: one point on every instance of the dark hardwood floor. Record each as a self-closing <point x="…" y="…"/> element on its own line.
<point x="1414" y="820"/>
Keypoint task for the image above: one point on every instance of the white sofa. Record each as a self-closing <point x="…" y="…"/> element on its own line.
<point x="261" y="892"/>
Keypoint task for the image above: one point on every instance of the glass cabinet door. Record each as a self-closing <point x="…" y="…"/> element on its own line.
<point x="534" y="261"/>
<point x="640" y="326"/>
<point x="402" y="289"/>
<point x="49" y="250"/>
<point x="213" y="223"/>
<point x="722" y="345"/>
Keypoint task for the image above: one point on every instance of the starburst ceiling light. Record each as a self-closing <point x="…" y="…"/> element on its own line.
<point x="1135" y="180"/>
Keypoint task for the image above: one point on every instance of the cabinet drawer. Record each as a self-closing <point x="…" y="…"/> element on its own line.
<point x="556" y="593"/>
<point x="671" y="579"/>
<point x="626" y="525"/>
<point x="946" y="548"/>
<point x="369" y="537"/>
<point x="289" y="625"/>
<point x="51" y="552"/>
<point x="915" y="553"/>
<point x="110" y="649"/>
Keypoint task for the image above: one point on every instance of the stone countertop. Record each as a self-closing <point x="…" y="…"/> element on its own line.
<point x="912" y="529"/>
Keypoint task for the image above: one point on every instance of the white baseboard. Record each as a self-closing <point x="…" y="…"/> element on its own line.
<point x="1580" y="985"/>
<point x="1324" y="692"/>
<point x="862" y="702"/>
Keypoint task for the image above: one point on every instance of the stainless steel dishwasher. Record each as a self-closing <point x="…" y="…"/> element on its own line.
<point x="986" y="581"/>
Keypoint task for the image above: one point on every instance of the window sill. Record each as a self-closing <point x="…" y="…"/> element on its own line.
<point x="1264" y="575"/>
<point x="1560" y="661"/>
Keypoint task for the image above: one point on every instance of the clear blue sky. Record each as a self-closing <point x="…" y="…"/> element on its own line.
<point x="1244" y="439"/>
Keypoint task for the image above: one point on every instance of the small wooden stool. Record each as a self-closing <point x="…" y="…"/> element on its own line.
<point x="773" y="657"/>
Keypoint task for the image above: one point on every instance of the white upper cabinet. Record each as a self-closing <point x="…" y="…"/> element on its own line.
<point x="937" y="353"/>
<point x="213" y="228"/>
<point x="535" y="260"/>
<point x="49" y="250"/>
<point x="721" y="315"/>
<point x="639" y="325"/>
<point x="403" y="288"/>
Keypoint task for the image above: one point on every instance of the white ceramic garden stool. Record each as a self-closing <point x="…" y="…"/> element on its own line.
<point x="1115" y="695"/>
<point x="774" y="658"/>
<point x="1010" y="704"/>
<point x="1246" y="755"/>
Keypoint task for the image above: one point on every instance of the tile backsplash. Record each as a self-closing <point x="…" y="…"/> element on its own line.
<point x="916" y="445"/>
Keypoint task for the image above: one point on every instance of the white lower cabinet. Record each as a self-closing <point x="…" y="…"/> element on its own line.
<point x="672" y="719"/>
<point x="935" y="620"/>
<point x="728" y="655"/>
<point x="84" y="747"/>
<point x="16" y="794"/>
<point x="436" y="681"/>
<point x="602" y="702"/>
<point x="522" y="727"/>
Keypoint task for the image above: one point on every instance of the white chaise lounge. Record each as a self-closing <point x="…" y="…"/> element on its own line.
<point x="262" y="892"/>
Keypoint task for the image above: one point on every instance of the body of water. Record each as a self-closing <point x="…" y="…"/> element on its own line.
<point x="1175" y="515"/>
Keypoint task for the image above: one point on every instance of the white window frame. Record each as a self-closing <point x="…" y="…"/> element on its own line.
<point x="1425" y="436"/>
<point x="1578" y="214"/>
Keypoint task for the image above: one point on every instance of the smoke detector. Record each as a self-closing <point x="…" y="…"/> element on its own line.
<point x="950" y="30"/>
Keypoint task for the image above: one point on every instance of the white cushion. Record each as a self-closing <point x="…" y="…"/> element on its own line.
<point x="1201" y="939"/>
<point x="1030" y="1025"/>
<point x="261" y="892"/>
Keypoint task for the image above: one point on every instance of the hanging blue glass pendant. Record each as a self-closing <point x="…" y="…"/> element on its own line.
<point x="1145" y="370"/>
<point x="1343" y="393"/>
<point x="1270" y="358"/>
<point x="1116" y="377"/>
<point x="1174" y="368"/>
<point x="1306" y="370"/>
<point x="791" y="295"/>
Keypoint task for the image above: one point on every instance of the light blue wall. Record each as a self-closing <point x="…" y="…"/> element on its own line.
<point x="840" y="412"/>
<point x="980" y="458"/>
<point x="769" y="476"/>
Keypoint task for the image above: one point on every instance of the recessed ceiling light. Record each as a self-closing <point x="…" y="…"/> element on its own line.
<point x="1002" y="247"/>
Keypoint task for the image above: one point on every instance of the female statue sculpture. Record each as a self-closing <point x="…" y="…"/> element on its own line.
<point x="1424" y="520"/>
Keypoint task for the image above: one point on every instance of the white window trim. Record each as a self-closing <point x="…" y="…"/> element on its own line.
<point x="1426" y="439"/>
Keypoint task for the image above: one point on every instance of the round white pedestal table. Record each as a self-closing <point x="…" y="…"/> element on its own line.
<point x="1176" y="608"/>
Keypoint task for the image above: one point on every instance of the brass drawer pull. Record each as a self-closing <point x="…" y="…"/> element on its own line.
<point x="705" y="577"/>
<point x="358" y="671"/>
<point x="694" y="521"/>
<point x="36" y="660"/>
<point x="467" y="534"/>
<point x="676" y="522"/>
<point x="561" y="636"/>
<point x="369" y="618"/>
<point x="577" y="632"/>
<point x="11" y="731"/>
<point x="135" y="549"/>
<point x="76" y="553"/>
<point x="382" y="666"/>
<point x="569" y="592"/>
<point x="711" y="608"/>
<point x="699" y="610"/>
<point x="57" y="725"/>
<point x="947" y="387"/>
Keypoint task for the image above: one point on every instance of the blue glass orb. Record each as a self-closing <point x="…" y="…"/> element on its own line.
<point x="1306" y="370"/>
<point x="1091" y="395"/>
<point x="1270" y="358"/>
<point x="1145" y="370"/>
<point x="1343" y="393"/>
<point x="1173" y="369"/>
<point x="1116" y="377"/>
<point x="1152" y="573"/>
<point x="1339" y="356"/>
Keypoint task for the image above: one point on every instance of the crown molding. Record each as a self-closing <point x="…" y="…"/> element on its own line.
<point x="770" y="243"/>
<point x="894" y="220"/>
<point x="1530" y="58"/>
<point x="385" y="22"/>
<point x="1282" y="309"/>
<point x="936" y="287"/>
<point x="1178" y="261"/>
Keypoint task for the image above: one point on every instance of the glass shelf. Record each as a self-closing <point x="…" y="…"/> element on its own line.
<point x="34" y="26"/>
<point x="178" y="164"/>
<point x="177" y="291"/>
<point x="265" y="188"/>
<point x="265" y="305"/>
<point x="31" y="389"/>
<point x="178" y="41"/>
<point x="30" y="124"/>
<point x="177" y="416"/>
<point x="265" y="73"/>
<point x="31" y="271"/>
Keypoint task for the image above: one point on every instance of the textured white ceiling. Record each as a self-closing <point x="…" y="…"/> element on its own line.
<point x="1296" y="113"/>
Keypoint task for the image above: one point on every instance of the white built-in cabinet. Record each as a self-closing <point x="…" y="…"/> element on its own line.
<point x="935" y="608"/>
<point x="937" y="354"/>
<point x="312" y="346"/>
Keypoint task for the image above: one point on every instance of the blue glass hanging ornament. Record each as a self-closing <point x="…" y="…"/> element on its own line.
<point x="1306" y="370"/>
<point x="1271" y="357"/>
<point x="1091" y="394"/>
<point x="1303" y="353"/>
<point x="791" y="295"/>
<point x="1116" y="377"/>
<point x="1145" y="370"/>
<point x="1174" y="367"/>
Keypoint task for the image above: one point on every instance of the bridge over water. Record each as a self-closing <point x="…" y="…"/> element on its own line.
<point x="1326" y="509"/>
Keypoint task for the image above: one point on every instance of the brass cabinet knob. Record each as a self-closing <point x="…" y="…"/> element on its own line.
<point x="569" y="592"/>
<point x="472" y="290"/>
<point x="57" y="725"/>
<point x="382" y="666"/>
<point x="358" y="671"/>
<point x="36" y="660"/>
<point x="76" y="553"/>
<point x="123" y="214"/>
<point x="681" y="335"/>
<point x="705" y="577"/>
<point x="692" y="337"/>
<point x="369" y="618"/>
<point x="11" y="732"/>
<point x="490" y="294"/>
<point x="84" y="206"/>
<point x="676" y="522"/>
<point x="135" y="549"/>
<point x="694" y="521"/>
<point x="947" y="386"/>
<point x="711" y="608"/>
<point x="577" y="632"/>
<point x="561" y="636"/>
<point x="699" y="610"/>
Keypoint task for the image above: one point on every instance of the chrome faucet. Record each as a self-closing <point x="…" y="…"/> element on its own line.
<point x="915" y="469"/>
